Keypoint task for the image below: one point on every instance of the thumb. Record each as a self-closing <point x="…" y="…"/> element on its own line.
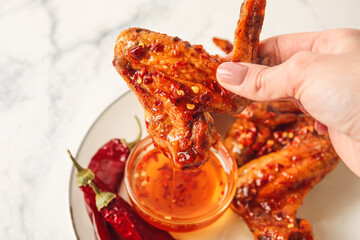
<point x="263" y="83"/>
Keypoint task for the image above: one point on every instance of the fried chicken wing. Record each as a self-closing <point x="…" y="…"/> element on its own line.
<point x="284" y="159"/>
<point x="272" y="187"/>
<point x="176" y="84"/>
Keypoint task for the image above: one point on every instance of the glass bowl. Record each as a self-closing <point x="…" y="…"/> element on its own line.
<point x="175" y="200"/>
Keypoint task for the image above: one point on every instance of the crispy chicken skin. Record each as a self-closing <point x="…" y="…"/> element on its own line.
<point x="176" y="84"/>
<point x="289" y="160"/>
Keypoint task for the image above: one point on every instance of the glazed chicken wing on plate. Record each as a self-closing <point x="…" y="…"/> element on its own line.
<point x="281" y="158"/>
<point x="176" y="84"/>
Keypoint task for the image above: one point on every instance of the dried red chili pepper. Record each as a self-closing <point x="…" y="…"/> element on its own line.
<point x="83" y="177"/>
<point x="103" y="230"/>
<point x="108" y="164"/>
<point x="118" y="213"/>
<point x="125" y="219"/>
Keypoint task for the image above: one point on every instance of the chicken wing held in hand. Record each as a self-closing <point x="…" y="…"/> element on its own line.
<point x="176" y="84"/>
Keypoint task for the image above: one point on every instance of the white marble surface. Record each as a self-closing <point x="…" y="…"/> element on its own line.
<point x="56" y="77"/>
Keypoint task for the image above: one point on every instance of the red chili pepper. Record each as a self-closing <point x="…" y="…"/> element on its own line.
<point x="108" y="165"/>
<point x="124" y="219"/>
<point x="113" y="209"/>
<point x="109" y="162"/>
<point x="83" y="177"/>
<point x="103" y="231"/>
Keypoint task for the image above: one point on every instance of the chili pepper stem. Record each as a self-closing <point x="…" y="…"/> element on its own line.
<point x="83" y="175"/>
<point x="133" y="143"/>
<point x="102" y="198"/>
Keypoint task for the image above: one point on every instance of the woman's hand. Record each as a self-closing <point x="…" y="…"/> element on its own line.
<point x="321" y="70"/>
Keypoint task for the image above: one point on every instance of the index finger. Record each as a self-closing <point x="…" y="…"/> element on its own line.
<point x="278" y="49"/>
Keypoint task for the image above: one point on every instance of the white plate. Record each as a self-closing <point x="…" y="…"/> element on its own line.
<point x="332" y="207"/>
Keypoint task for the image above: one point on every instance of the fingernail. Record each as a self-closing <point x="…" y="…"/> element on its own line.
<point x="320" y="128"/>
<point x="231" y="73"/>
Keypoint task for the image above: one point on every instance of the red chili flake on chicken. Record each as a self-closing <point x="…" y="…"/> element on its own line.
<point x="137" y="52"/>
<point x="157" y="47"/>
<point x="148" y="79"/>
